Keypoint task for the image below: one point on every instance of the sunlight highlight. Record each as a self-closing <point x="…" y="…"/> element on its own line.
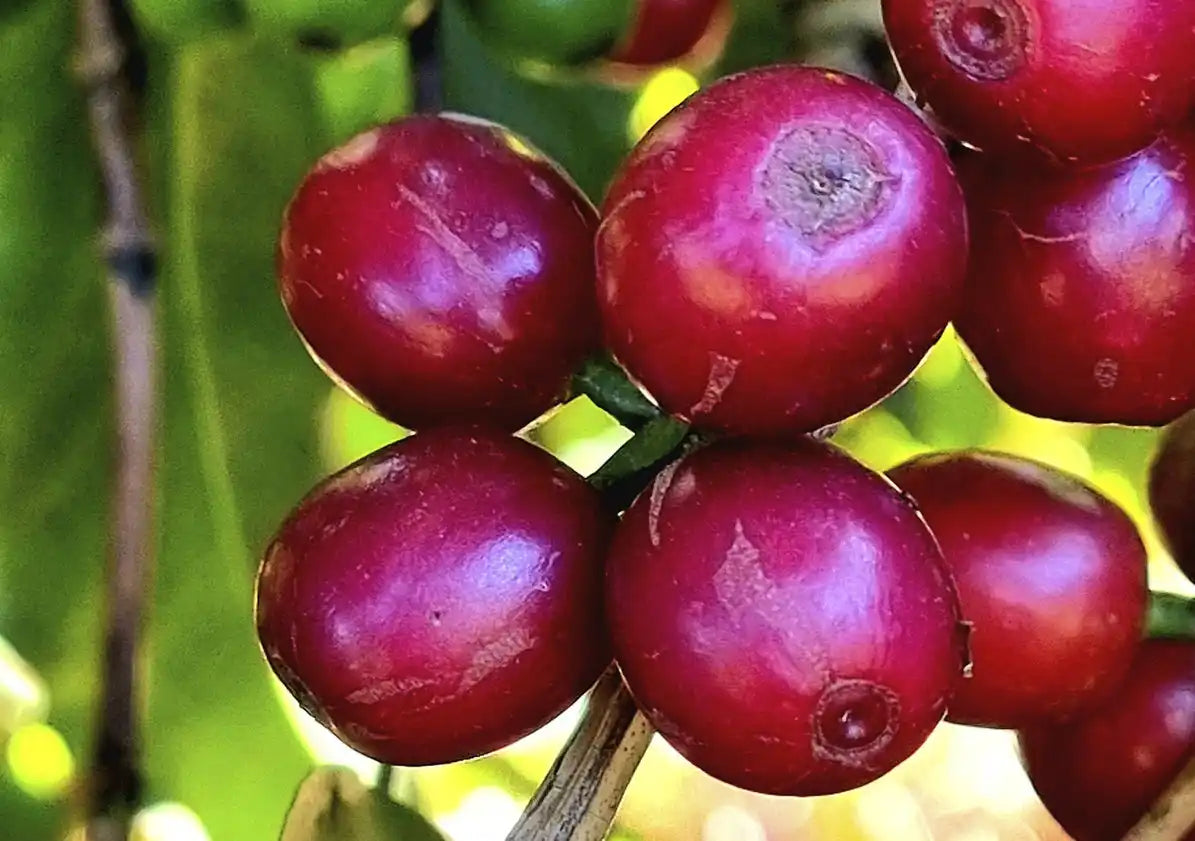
<point x="664" y="91"/>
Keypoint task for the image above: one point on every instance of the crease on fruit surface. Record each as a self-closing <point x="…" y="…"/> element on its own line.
<point x="659" y="490"/>
<point x="740" y="582"/>
<point x="722" y="372"/>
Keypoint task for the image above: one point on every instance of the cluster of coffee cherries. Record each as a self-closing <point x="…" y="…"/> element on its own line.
<point x="777" y="255"/>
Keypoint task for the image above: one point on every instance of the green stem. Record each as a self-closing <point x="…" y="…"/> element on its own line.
<point x="603" y="382"/>
<point x="1170" y="616"/>
<point x="578" y="798"/>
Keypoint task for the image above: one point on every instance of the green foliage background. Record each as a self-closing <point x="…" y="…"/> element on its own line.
<point x="233" y="115"/>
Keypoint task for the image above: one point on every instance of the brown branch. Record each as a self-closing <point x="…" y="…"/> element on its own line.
<point x="1172" y="814"/>
<point x="579" y="797"/>
<point x="115" y="783"/>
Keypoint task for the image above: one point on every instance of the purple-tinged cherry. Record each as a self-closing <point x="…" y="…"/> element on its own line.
<point x="1099" y="773"/>
<point x="1056" y="80"/>
<point x="1050" y="577"/>
<point x="441" y="269"/>
<point x="440" y="598"/>
<point x="1080" y="299"/>
<point x="780" y="252"/>
<point x="783" y="616"/>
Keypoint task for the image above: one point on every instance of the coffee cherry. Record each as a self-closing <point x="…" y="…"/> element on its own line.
<point x="440" y="598"/>
<point x="565" y="32"/>
<point x="780" y="252"/>
<point x="1050" y="576"/>
<point x="1049" y="78"/>
<point x="441" y="270"/>
<point x="1080" y="303"/>
<point x="783" y="617"/>
<point x="1172" y="492"/>
<point x="1099" y="774"/>
<point x="665" y="30"/>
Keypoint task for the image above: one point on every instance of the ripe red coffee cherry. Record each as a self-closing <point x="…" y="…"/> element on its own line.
<point x="1099" y="774"/>
<point x="800" y="634"/>
<point x="1080" y="301"/>
<point x="1172" y="491"/>
<point x="780" y="251"/>
<point x="665" y="30"/>
<point x="1089" y="81"/>
<point x="440" y="598"/>
<point x="1050" y="576"/>
<point x="439" y="268"/>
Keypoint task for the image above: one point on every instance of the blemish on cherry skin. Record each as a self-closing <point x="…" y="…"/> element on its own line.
<point x="855" y="717"/>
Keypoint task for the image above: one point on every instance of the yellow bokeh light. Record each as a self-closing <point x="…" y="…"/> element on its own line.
<point x="40" y="761"/>
<point x="665" y="90"/>
<point x="168" y="822"/>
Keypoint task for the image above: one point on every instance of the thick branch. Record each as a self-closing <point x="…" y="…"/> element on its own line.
<point x="130" y="259"/>
<point x="1173" y="814"/>
<point x="579" y="797"/>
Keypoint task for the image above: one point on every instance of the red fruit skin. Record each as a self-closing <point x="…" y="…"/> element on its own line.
<point x="441" y="270"/>
<point x="1099" y="774"/>
<point x="1061" y="80"/>
<point x="1080" y="300"/>
<point x="1051" y="577"/>
<point x="440" y="598"/>
<point x="665" y="30"/>
<point x="1172" y="491"/>
<point x="780" y="252"/>
<point x="783" y="617"/>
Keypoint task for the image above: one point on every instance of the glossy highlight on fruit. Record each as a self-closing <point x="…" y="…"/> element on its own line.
<point x="783" y="616"/>
<point x="665" y="30"/>
<point x="780" y="252"/>
<point x="1067" y="81"/>
<point x="1099" y="774"/>
<point x="441" y="269"/>
<point x="1172" y="491"/>
<point x="440" y="598"/>
<point x="1080" y="299"/>
<point x="1050" y="577"/>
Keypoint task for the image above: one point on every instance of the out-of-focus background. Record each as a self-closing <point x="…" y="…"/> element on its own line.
<point x="234" y="112"/>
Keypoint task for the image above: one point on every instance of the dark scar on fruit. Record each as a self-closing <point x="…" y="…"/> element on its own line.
<point x="825" y="182"/>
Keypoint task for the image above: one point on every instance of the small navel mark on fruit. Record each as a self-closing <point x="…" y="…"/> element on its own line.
<point x="988" y="40"/>
<point x="655" y="501"/>
<point x="494" y="656"/>
<point x="740" y="582"/>
<point x="824" y="182"/>
<point x="1106" y="373"/>
<point x="854" y="720"/>
<point x="722" y="373"/>
<point x="499" y="230"/>
<point x="355" y="151"/>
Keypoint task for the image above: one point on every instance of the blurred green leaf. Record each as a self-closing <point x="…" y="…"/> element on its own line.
<point x="180" y="21"/>
<point x="364" y="85"/>
<point x="333" y="805"/>
<point x="581" y="125"/>
<point x="54" y="420"/>
<point x="240" y="444"/>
